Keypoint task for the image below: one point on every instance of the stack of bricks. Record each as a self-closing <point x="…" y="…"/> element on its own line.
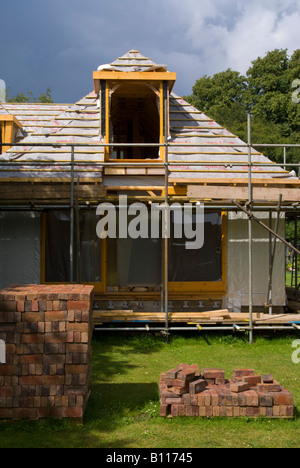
<point x="185" y="391"/>
<point x="47" y="334"/>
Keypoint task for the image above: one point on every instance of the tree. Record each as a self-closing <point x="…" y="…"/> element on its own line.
<point x="266" y="92"/>
<point x="23" y="98"/>
<point x="223" y="89"/>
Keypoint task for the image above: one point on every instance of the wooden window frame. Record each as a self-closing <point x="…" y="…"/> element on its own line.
<point x="161" y="84"/>
<point x="174" y="288"/>
<point x="199" y="287"/>
<point x="9" y="126"/>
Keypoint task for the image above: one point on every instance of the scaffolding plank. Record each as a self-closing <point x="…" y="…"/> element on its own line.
<point x="242" y="193"/>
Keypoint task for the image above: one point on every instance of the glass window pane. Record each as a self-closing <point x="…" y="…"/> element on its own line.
<point x="90" y="249"/>
<point x="139" y="262"/>
<point x="57" y="246"/>
<point x="204" y="264"/>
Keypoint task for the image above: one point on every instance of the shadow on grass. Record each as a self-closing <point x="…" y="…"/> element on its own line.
<point x="105" y="364"/>
<point x="112" y="403"/>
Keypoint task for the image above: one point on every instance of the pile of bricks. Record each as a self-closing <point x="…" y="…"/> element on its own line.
<point x="185" y="391"/>
<point x="47" y="333"/>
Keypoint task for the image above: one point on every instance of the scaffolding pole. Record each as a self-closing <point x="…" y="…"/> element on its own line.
<point x="166" y="227"/>
<point x="72" y="217"/>
<point x="272" y="254"/>
<point x="250" y="201"/>
<point x="248" y="210"/>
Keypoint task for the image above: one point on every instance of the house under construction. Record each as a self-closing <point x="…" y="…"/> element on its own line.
<point x="132" y="136"/>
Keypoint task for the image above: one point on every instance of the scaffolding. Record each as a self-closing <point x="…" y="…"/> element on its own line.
<point x="249" y="209"/>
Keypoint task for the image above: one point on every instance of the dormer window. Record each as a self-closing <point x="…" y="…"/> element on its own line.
<point x="9" y="126"/>
<point x="134" y="106"/>
<point x="134" y="117"/>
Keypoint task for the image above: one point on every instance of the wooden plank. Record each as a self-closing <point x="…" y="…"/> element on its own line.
<point x="241" y="193"/>
<point x="236" y="181"/>
<point x="192" y="318"/>
<point x="44" y="192"/>
<point x="44" y="180"/>
<point x="134" y="76"/>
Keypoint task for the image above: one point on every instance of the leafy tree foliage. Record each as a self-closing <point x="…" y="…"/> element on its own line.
<point x="265" y="92"/>
<point x="44" y="98"/>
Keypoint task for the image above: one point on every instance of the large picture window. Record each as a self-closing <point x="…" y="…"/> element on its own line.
<point x="118" y="264"/>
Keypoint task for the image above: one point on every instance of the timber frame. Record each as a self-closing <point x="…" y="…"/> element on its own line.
<point x="64" y="162"/>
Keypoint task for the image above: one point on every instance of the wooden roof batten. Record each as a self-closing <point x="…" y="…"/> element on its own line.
<point x="203" y="156"/>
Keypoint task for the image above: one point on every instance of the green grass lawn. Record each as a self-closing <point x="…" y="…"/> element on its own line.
<point x="123" y="409"/>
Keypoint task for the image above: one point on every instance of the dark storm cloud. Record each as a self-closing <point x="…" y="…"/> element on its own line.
<point x="58" y="44"/>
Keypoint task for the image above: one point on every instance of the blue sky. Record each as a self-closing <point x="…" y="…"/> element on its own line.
<point x="59" y="43"/>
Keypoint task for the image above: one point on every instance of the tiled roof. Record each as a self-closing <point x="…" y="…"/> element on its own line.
<point x="80" y="123"/>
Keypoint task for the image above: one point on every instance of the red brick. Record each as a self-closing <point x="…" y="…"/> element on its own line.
<point x="8" y="306"/>
<point x="283" y="398"/>
<point x="186" y="375"/>
<point x="265" y="399"/>
<point x="187" y="399"/>
<point x="207" y="397"/>
<point x="53" y="379"/>
<point x="175" y="383"/>
<point x="252" y="380"/>
<point x="243" y="372"/>
<point x="253" y="411"/>
<point x="34" y="338"/>
<point x="210" y="373"/>
<point x="179" y="390"/>
<point x="276" y="411"/>
<point x="6" y="413"/>
<point x="272" y="387"/>
<point x="7" y="369"/>
<point x="48" y="412"/>
<point x="191" y="411"/>
<point x="20" y="306"/>
<point x="33" y="317"/>
<point x="6" y="391"/>
<point x="267" y="378"/>
<point x="214" y="397"/>
<point x="31" y="380"/>
<point x="72" y="412"/>
<point x="56" y="316"/>
<point x="81" y="369"/>
<point x="201" y="399"/>
<point x="239" y="387"/>
<point x="35" y="306"/>
<point x="55" y="337"/>
<point x="173" y="401"/>
<point x="31" y="359"/>
<point x="174" y="410"/>
<point x="78" y="305"/>
<point x="197" y="386"/>
<point x="84" y="327"/>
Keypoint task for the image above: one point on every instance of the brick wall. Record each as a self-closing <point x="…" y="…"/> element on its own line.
<point x="47" y="332"/>
<point x="185" y="391"/>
